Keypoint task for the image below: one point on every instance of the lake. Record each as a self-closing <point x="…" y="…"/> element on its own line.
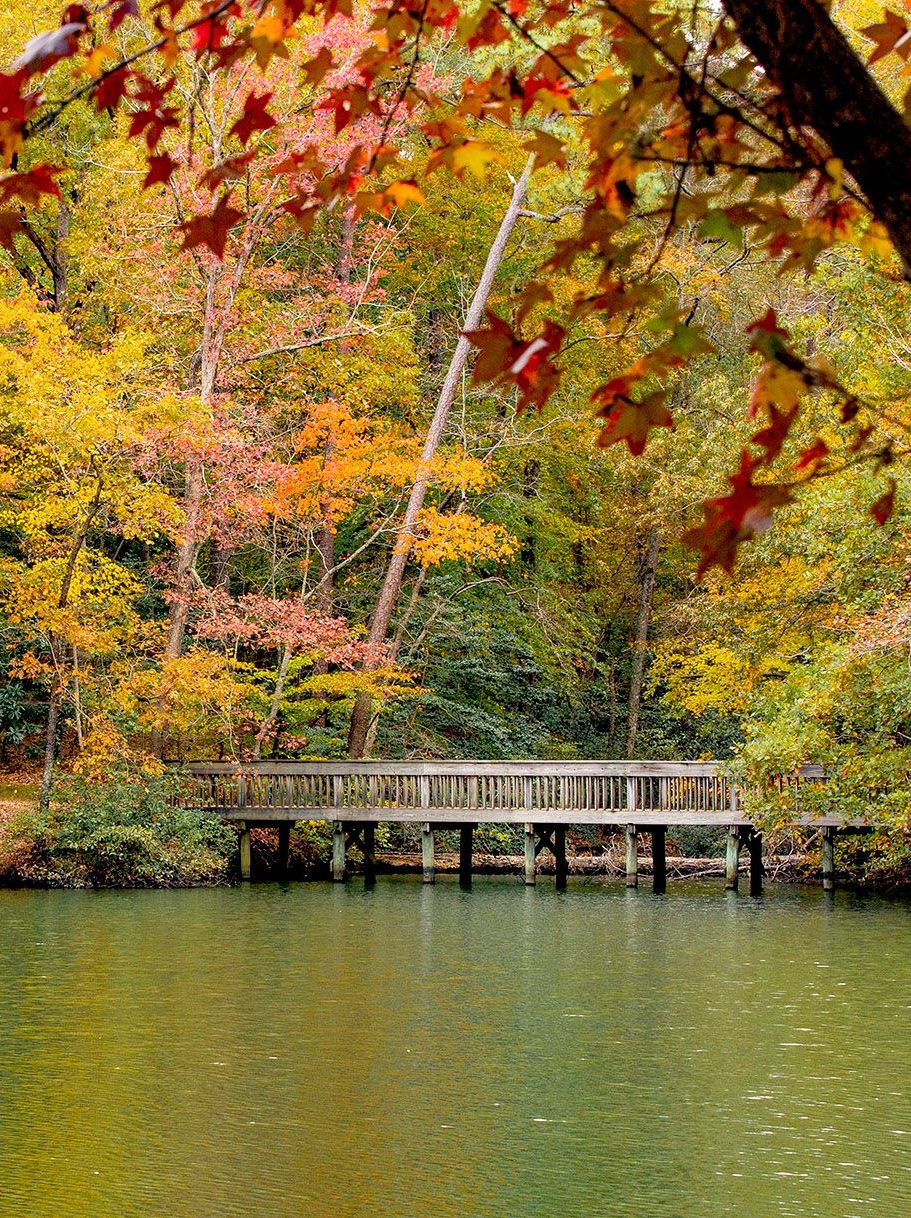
<point x="316" y="1050"/>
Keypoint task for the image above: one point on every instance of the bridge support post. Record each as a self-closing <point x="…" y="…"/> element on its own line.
<point x="428" y="864"/>
<point x="732" y="859"/>
<point x="245" y="852"/>
<point x="530" y="850"/>
<point x="284" y="847"/>
<point x="828" y="858"/>
<point x="369" y="847"/>
<point x="560" y="868"/>
<point x="466" y="838"/>
<point x="632" y="857"/>
<point x="659" y="860"/>
<point x="754" y="843"/>
<point x="338" y="851"/>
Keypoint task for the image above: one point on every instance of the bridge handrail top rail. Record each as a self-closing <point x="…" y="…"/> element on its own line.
<point x="477" y="768"/>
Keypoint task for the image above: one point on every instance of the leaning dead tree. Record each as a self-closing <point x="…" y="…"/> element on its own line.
<point x="395" y="569"/>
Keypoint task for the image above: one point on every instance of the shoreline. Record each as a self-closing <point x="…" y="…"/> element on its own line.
<point x="779" y="869"/>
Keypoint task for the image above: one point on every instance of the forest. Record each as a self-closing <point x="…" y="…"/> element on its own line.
<point x="411" y="380"/>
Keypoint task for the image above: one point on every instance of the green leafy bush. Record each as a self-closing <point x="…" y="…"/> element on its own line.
<point x="124" y="832"/>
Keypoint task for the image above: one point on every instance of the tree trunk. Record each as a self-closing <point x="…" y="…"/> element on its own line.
<point x="50" y="749"/>
<point x="191" y="541"/>
<point x="825" y="86"/>
<point x="385" y="606"/>
<point x="646" y="592"/>
<point x="268" y="723"/>
<point x="63" y="598"/>
<point x="220" y="556"/>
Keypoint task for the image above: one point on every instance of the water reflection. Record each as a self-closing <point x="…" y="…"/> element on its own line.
<point x="399" y="1051"/>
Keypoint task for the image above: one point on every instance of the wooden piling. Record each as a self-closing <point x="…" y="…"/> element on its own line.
<point x="338" y="851"/>
<point x="732" y="859"/>
<point x="245" y="853"/>
<point x="561" y="868"/>
<point x="530" y="843"/>
<point x="369" y="840"/>
<point x="632" y="857"/>
<point x="284" y="847"/>
<point x="428" y="863"/>
<point x="466" y="837"/>
<point x="756" y="869"/>
<point x="828" y="858"/>
<point x="659" y="860"/>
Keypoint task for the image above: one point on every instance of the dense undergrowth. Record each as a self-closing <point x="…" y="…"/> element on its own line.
<point x="124" y="833"/>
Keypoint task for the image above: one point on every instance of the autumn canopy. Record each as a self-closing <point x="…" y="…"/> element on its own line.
<point x="746" y="111"/>
<point x="407" y="378"/>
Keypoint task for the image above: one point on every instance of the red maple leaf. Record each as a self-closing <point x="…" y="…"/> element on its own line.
<point x="816" y="451"/>
<point x="254" y="118"/>
<point x="228" y="170"/>
<point x="850" y="409"/>
<point x="884" y="506"/>
<point x="350" y="102"/>
<point x="497" y="348"/>
<point x="768" y="336"/>
<point x="303" y="209"/>
<point x="153" y="119"/>
<point x="731" y="519"/>
<point x="44" y="50"/>
<point x="111" y="88"/>
<point x="29" y="187"/>
<point x="633" y="421"/>
<point x="889" y="35"/>
<point x="160" y="169"/>
<point x="717" y="541"/>
<point x="10" y="224"/>
<point x="211" y="230"/>
<point x="773" y="435"/>
<point x="504" y="357"/>
<point x="120" y="10"/>
<point x="556" y="90"/>
<point x="209" y="35"/>
<point x="15" y="105"/>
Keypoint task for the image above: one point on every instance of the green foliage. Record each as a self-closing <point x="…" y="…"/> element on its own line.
<point x="120" y="833"/>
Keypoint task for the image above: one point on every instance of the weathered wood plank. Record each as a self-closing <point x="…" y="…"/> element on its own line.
<point x="490" y="769"/>
<point x="732" y="859"/>
<point x="828" y="859"/>
<point x="530" y="843"/>
<point x="428" y="864"/>
<point x="632" y="857"/>
<point x="338" y="851"/>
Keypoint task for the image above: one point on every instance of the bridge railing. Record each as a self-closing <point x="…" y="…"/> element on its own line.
<point x="476" y="790"/>
<point x="467" y="790"/>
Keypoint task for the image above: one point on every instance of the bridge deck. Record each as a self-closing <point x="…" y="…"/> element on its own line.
<point x="609" y="793"/>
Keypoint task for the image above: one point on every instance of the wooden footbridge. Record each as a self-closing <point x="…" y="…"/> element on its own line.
<point x="546" y="797"/>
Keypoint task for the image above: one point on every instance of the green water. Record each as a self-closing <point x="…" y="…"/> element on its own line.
<point x="318" y="1050"/>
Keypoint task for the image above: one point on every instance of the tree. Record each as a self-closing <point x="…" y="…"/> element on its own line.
<point x="79" y="429"/>
<point x="787" y="144"/>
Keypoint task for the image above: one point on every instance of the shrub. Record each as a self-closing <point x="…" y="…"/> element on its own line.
<point x="124" y="832"/>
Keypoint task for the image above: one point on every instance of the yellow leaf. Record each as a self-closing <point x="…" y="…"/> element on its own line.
<point x="97" y="58"/>
<point x="270" y="28"/>
<point x="475" y="157"/>
<point x="876" y="240"/>
<point x="402" y="193"/>
<point x="836" y="172"/>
